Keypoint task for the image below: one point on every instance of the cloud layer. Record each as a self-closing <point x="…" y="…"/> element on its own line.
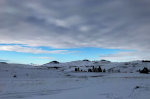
<point x="119" y="24"/>
<point x="126" y="56"/>
<point x="17" y="48"/>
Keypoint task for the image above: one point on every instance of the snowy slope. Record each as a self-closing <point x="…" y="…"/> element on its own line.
<point x="25" y="71"/>
<point x="124" y="67"/>
<point x="41" y="82"/>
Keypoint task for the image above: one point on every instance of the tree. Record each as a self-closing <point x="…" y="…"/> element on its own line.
<point x="89" y="70"/>
<point x="77" y="69"/>
<point x="104" y="70"/>
<point x="99" y="69"/>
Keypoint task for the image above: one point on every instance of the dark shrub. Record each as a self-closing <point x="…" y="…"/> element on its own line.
<point x="127" y="63"/>
<point x="56" y="67"/>
<point x="95" y="62"/>
<point x="89" y="70"/>
<point x="144" y="70"/>
<point x="93" y="69"/>
<point x="76" y="69"/>
<point x="14" y="76"/>
<point x="104" y="70"/>
<point x="137" y="87"/>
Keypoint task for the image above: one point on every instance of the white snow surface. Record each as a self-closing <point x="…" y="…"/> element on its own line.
<point x="44" y="82"/>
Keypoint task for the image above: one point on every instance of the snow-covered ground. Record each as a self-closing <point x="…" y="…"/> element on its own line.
<point x="42" y="82"/>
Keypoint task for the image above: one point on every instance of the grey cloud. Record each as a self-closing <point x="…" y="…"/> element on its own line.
<point x="18" y="48"/>
<point x="123" y="24"/>
<point x="126" y="56"/>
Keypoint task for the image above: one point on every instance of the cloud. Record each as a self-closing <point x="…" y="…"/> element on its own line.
<point x="119" y="24"/>
<point x="46" y="58"/>
<point x="126" y="56"/>
<point x="18" y="48"/>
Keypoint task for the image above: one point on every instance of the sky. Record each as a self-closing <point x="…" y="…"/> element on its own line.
<point x="40" y="31"/>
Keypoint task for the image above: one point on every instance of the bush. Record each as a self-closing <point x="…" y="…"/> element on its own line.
<point x="89" y="70"/>
<point x="14" y="76"/>
<point x="76" y="69"/>
<point x="144" y="70"/>
<point x="104" y="70"/>
<point x="137" y="87"/>
<point x="96" y="69"/>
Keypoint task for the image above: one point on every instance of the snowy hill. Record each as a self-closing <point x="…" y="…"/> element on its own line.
<point x="123" y="67"/>
<point x="120" y="81"/>
<point x="24" y="71"/>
